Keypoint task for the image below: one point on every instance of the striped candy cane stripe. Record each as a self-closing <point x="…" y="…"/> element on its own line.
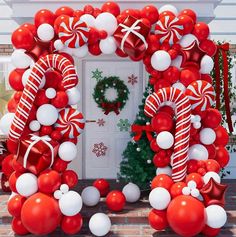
<point x="70" y="80"/>
<point x="183" y="123"/>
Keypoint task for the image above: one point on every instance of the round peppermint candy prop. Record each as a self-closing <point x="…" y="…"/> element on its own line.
<point x="70" y="123"/>
<point x="183" y="123"/>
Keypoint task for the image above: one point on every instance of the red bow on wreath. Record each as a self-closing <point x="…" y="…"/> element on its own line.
<point x="111" y="107"/>
<point x="223" y="48"/>
<point x="139" y="129"/>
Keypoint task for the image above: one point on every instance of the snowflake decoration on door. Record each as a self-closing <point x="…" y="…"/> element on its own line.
<point x="97" y="74"/>
<point x="99" y="149"/>
<point x="132" y="79"/>
<point x="123" y="125"/>
<point x="101" y="122"/>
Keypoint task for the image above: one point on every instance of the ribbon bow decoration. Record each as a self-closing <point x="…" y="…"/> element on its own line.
<point x="139" y="129"/>
<point x="109" y="107"/>
<point x="223" y="48"/>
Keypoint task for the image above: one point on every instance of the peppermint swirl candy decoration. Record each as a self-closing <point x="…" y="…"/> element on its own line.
<point x="70" y="123"/>
<point x="73" y="32"/>
<point x="169" y="29"/>
<point x="201" y="95"/>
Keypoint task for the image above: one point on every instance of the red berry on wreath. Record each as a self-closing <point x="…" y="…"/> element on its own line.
<point x="115" y="200"/>
<point x="103" y="186"/>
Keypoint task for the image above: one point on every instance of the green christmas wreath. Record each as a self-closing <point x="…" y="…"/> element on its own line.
<point x="104" y="103"/>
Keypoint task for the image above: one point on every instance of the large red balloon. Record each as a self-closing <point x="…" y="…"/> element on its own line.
<point x="151" y="13"/>
<point x="15" y="79"/>
<point x="208" y="46"/>
<point x="186" y="215"/>
<point x="111" y="7"/>
<point x="212" y="119"/>
<point x="41" y="98"/>
<point x="12" y="105"/>
<point x="115" y="200"/>
<point x="162" y="180"/>
<point x="44" y="16"/>
<point x="12" y="181"/>
<point x="161" y="159"/>
<point x="72" y="224"/>
<point x="157" y="219"/>
<point x="15" y="204"/>
<point x="53" y="78"/>
<point x="212" y="165"/>
<point x="18" y="227"/>
<point x="103" y="186"/>
<point x="187" y="23"/>
<point x="201" y="31"/>
<point x="192" y="166"/>
<point x="68" y="11"/>
<point x="70" y="178"/>
<point x="222" y="156"/>
<point x="161" y="83"/>
<point x="190" y="13"/>
<point x="189" y="75"/>
<point x="30" y="27"/>
<point x="222" y="136"/>
<point x="162" y="122"/>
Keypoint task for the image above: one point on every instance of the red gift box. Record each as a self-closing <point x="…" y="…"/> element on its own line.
<point x="131" y="36"/>
<point x="37" y="153"/>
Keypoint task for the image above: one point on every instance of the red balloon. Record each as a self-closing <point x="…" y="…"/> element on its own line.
<point x="190" y="13"/>
<point x="153" y="44"/>
<point x="120" y="18"/>
<point x="18" y="227"/>
<point x="162" y="180"/>
<point x="96" y="12"/>
<point x="45" y="130"/>
<point x="61" y="100"/>
<point x="59" y="165"/>
<point x="201" y="31"/>
<point x="222" y="156"/>
<point x="172" y="74"/>
<point x="154" y="146"/>
<point x="41" y="98"/>
<point x="49" y="181"/>
<point x="32" y="116"/>
<point x="187" y="23"/>
<point x="176" y="189"/>
<point x="197" y="178"/>
<point x="7" y="168"/>
<point x="207" y="77"/>
<point x="12" y="105"/>
<point x="160" y="84"/>
<point x="15" y="204"/>
<point x="162" y="122"/>
<point x="120" y="53"/>
<point x="151" y="13"/>
<point x="58" y="21"/>
<point x="186" y="215"/>
<point x="12" y="146"/>
<point x="40" y="214"/>
<point x="93" y="35"/>
<point x="12" y="181"/>
<point x="157" y="219"/>
<point x="17" y="95"/>
<point x="68" y="11"/>
<point x="212" y="165"/>
<point x="208" y="46"/>
<point x="173" y="53"/>
<point x="166" y="13"/>
<point x="78" y="13"/>
<point x="168" y="110"/>
<point x="70" y="178"/>
<point x="56" y="135"/>
<point x="44" y="16"/>
<point x="210" y="232"/>
<point x="88" y="9"/>
<point x="15" y="79"/>
<point x="94" y="49"/>
<point x="17" y="166"/>
<point x="212" y="119"/>
<point x="111" y="7"/>
<point x="211" y="151"/>
<point x="53" y="78"/>
<point x="222" y="136"/>
<point x="22" y="38"/>
<point x="30" y="27"/>
<point x="115" y="200"/>
<point x="103" y="186"/>
<point x="189" y="75"/>
<point x="161" y="159"/>
<point x="72" y="224"/>
<point x="68" y="56"/>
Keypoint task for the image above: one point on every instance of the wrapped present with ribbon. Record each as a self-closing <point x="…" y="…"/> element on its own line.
<point x="139" y="129"/>
<point x="37" y="153"/>
<point x="111" y="107"/>
<point x="131" y="37"/>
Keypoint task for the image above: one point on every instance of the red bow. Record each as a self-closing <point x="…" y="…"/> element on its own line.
<point x="109" y="107"/>
<point x="223" y="48"/>
<point x="139" y="129"/>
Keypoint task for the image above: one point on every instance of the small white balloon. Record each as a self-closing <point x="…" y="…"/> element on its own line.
<point x="50" y="93"/>
<point x="73" y="96"/>
<point x="132" y="192"/>
<point x="70" y="203"/>
<point x="90" y="196"/>
<point x="195" y="192"/>
<point x="216" y="216"/>
<point x="64" y="188"/>
<point x="198" y="152"/>
<point x="57" y="194"/>
<point x="180" y="86"/>
<point x="159" y="198"/>
<point x="99" y="224"/>
<point x="197" y="125"/>
<point x="165" y="140"/>
<point x="169" y="7"/>
<point x="106" y="21"/>
<point x="45" y="32"/>
<point x="192" y="184"/>
<point x="210" y="175"/>
<point x="26" y="75"/>
<point x="165" y="170"/>
<point x="186" y="191"/>
<point x="207" y="65"/>
<point x="58" y="45"/>
<point x="108" y="45"/>
<point x="197" y="118"/>
<point x="81" y="51"/>
<point x="207" y="136"/>
<point x="160" y="60"/>
<point x="47" y="114"/>
<point x="34" y="125"/>
<point x="88" y="19"/>
<point x="177" y="61"/>
<point x="67" y="151"/>
<point x="187" y="40"/>
<point x="5" y="123"/>
<point x="20" y="60"/>
<point x="27" y="184"/>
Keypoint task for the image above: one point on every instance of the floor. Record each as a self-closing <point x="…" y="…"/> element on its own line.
<point x="130" y="222"/>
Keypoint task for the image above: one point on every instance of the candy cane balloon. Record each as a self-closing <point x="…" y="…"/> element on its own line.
<point x="69" y="81"/>
<point x="183" y="123"/>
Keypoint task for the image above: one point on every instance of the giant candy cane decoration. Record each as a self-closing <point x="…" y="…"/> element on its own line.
<point x="183" y="123"/>
<point x="70" y="80"/>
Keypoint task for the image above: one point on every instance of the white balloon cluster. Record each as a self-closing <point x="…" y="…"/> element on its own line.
<point x="196" y="121"/>
<point x="191" y="189"/>
<point x="159" y="198"/>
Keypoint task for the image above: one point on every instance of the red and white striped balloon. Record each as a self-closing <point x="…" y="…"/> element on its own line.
<point x="70" y="123"/>
<point x="183" y="124"/>
<point x="201" y="95"/>
<point x="69" y="81"/>
<point x="73" y="32"/>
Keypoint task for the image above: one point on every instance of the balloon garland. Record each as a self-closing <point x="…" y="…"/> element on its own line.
<point x="42" y="141"/>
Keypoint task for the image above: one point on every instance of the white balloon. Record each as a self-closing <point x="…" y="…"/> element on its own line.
<point x="70" y="203"/>
<point x="26" y="75"/>
<point x="179" y="86"/>
<point x="27" y="184"/>
<point x="106" y="21"/>
<point x="64" y="188"/>
<point x="216" y="216"/>
<point x="67" y="151"/>
<point x="67" y="50"/>
<point x="198" y="152"/>
<point x="209" y="175"/>
<point x="207" y="65"/>
<point x="45" y="32"/>
<point x="160" y="60"/>
<point x="197" y="125"/>
<point x="20" y="60"/>
<point x="108" y="45"/>
<point x="165" y="170"/>
<point x="88" y="19"/>
<point x="186" y="191"/>
<point x="177" y="62"/>
<point x="207" y="136"/>
<point x="90" y="196"/>
<point x="81" y="51"/>
<point x="73" y="96"/>
<point x="159" y="198"/>
<point x="50" y="93"/>
<point x="187" y="40"/>
<point x="165" y="140"/>
<point x="58" y="44"/>
<point x="132" y="192"/>
<point x="168" y="7"/>
<point x="195" y="192"/>
<point x="47" y="114"/>
<point x="192" y="184"/>
<point x="100" y="224"/>
<point x="5" y="123"/>
<point x="34" y="125"/>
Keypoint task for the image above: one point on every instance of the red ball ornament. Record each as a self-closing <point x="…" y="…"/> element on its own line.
<point x="41" y="98"/>
<point x="176" y="189"/>
<point x="160" y="84"/>
<point x="59" y="165"/>
<point x="72" y="224"/>
<point x="7" y="168"/>
<point x="222" y="156"/>
<point x="197" y="178"/>
<point x="212" y="119"/>
<point x="201" y="171"/>
<point x="190" y="13"/>
<point x="187" y="23"/>
<point x="168" y="110"/>
<point x="111" y="7"/>
<point x="162" y="180"/>
<point x="103" y="186"/>
<point x="162" y="122"/>
<point x="40" y="214"/>
<point x="46" y="130"/>
<point x="222" y="136"/>
<point x="157" y="219"/>
<point x="68" y="11"/>
<point x="18" y="227"/>
<point x="12" y="146"/>
<point x="44" y="16"/>
<point x="61" y="100"/>
<point x="12" y="181"/>
<point x="15" y="204"/>
<point x="15" y="79"/>
<point x="151" y="13"/>
<point x="31" y="117"/>
<point x="58" y="22"/>
<point x="70" y="178"/>
<point x="154" y="146"/>
<point x="210" y="232"/>
<point x="208" y="46"/>
<point x="166" y="13"/>
<point x="30" y="27"/>
<point x="201" y="31"/>
<point x="173" y="53"/>
<point x="96" y="12"/>
<point x="212" y="165"/>
<point x="172" y="74"/>
<point x="186" y="215"/>
<point x="68" y="56"/>
<point x="189" y="75"/>
<point x="115" y="200"/>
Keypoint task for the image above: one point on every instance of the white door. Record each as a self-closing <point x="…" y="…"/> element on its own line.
<point x="105" y="140"/>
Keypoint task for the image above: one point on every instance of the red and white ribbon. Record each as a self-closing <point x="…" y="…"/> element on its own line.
<point x="69" y="81"/>
<point x="183" y="124"/>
